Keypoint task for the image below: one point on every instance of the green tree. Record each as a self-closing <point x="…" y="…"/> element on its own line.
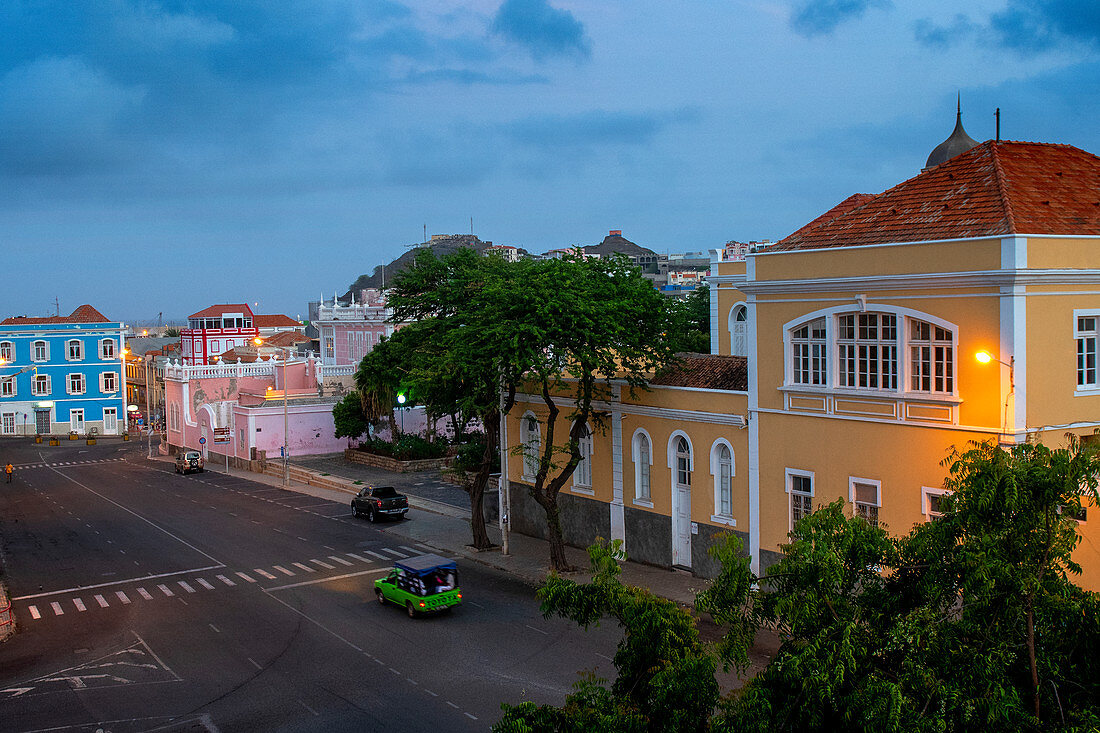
<point x="378" y="381"/>
<point x="347" y="416"/>
<point x="689" y="328"/>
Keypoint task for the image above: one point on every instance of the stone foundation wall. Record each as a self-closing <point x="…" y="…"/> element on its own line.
<point x="393" y="464"/>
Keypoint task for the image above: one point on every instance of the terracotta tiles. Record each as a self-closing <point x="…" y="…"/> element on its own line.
<point x="705" y="371"/>
<point x="83" y="314"/>
<point x="994" y="189"/>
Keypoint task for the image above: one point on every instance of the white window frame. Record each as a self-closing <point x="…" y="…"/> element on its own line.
<point x="1084" y="338"/>
<point x="103" y="382"/>
<point x="860" y="347"/>
<point x="107" y="348"/>
<point x="582" y="474"/>
<point x="72" y="413"/>
<point x="812" y="350"/>
<point x="788" y="484"/>
<point x="74" y="345"/>
<point x="36" y="390"/>
<point x="532" y="447"/>
<point x="114" y="411"/>
<point x="7" y="351"/>
<point x="731" y="319"/>
<point x="904" y="317"/>
<point x="9" y="386"/>
<point x="852" y="481"/>
<point x="720" y="517"/>
<point x="674" y="459"/>
<point x="926" y="505"/>
<point x="69" y="383"/>
<point x="45" y="350"/>
<point x="4" y="423"/>
<point x="642" y="465"/>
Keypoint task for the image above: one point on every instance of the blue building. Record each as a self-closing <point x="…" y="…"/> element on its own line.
<point x="62" y="374"/>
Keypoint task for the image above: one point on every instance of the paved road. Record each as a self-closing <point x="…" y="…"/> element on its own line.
<point x="151" y="601"/>
<point x="424" y="484"/>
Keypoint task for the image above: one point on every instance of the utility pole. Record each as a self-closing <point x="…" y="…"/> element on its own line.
<point x="505" y="495"/>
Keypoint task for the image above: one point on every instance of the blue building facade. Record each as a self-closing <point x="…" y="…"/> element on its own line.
<point x="62" y="374"/>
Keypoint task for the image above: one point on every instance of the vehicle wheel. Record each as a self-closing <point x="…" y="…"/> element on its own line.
<point x="370" y="515"/>
<point x="354" y="511"/>
<point x="381" y="596"/>
<point x="409" y="608"/>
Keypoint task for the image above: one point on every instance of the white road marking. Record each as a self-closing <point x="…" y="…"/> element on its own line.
<point x="79" y="605"/>
<point x="394" y="552"/>
<point x="214" y="628"/>
<point x="254" y="663"/>
<point x="325" y="580"/>
<point x="413" y="550"/>
<point x="144" y="594"/>
<point x="101" y="601"/>
<point x="186" y="587"/>
<point x="375" y="554"/>
<point x="357" y="557"/>
<point x="322" y="564"/>
<point x="307" y="707"/>
<point x="264" y="573"/>
<point x="471" y="717"/>
<point x="452" y="705"/>
<point x="245" y="577"/>
<point x="307" y="568"/>
<point x="395" y="671"/>
<point x="122" y="597"/>
<point x="433" y="694"/>
<point x="166" y="590"/>
<point x="283" y="570"/>
<point x="544" y="633"/>
<point x="117" y="582"/>
<point x="225" y="580"/>
<point x="34" y="613"/>
<point x="340" y="560"/>
<point x="204" y="583"/>
<point x="57" y="609"/>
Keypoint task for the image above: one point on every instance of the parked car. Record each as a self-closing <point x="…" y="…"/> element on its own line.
<point x="421" y="584"/>
<point x="189" y="461"/>
<point x="378" y="502"/>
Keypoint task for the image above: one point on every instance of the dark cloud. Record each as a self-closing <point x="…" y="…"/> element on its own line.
<point x="545" y="31"/>
<point x="821" y="17"/>
<point x="1037" y="25"/>
<point x="932" y="35"/>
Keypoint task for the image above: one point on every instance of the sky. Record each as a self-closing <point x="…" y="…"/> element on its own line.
<point x="159" y="157"/>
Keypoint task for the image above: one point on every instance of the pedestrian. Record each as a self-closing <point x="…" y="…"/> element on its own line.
<point x="9" y="470"/>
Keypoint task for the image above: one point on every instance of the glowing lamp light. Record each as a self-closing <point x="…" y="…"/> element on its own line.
<point x="131" y="408"/>
<point x="257" y="340"/>
<point x="984" y="357"/>
<point x="400" y="399"/>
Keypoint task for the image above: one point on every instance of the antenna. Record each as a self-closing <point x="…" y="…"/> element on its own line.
<point x="425" y="233"/>
<point x="56" y="306"/>
<point x="471" y="225"/>
<point x="997" y="114"/>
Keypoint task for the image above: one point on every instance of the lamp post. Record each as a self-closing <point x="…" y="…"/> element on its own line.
<point x="401" y="409"/>
<point x="286" y="418"/>
<point x="984" y="357"/>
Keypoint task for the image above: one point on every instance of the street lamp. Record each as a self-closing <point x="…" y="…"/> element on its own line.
<point x="984" y="357"/>
<point x="401" y="401"/>
<point x="286" y="419"/>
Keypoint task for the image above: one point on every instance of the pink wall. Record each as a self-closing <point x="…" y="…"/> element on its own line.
<point x="310" y="430"/>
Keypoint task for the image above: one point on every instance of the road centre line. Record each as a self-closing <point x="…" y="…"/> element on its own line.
<point x="116" y="582"/>
<point x="324" y="580"/>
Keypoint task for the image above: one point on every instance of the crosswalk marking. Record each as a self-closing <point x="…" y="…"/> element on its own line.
<point x="357" y="557"/>
<point x="203" y="582"/>
<point x="375" y="554"/>
<point x="186" y="587"/>
<point x="57" y="609"/>
<point x="283" y="570"/>
<point x="413" y="550"/>
<point x="79" y="605"/>
<point x="394" y="552"/>
<point x="307" y="568"/>
<point x="322" y="564"/>
<point x="144" y="594"/>
<point x="225" y="580"/>
<point x="101" y="601"/>
<point x="340" y="560"/>
<point x="122" y="597"/>
<point x="34" y="613"/>
<point x="264" y="574"/>
<point x="245" y="577"/>
<point x="165" y="590"/>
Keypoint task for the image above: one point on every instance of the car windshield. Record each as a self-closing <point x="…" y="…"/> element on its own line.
<point x="191" y="456"/>
<point x="384" y="492"/>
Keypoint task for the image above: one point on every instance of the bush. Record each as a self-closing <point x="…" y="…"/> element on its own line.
<point x="405" y="448"/>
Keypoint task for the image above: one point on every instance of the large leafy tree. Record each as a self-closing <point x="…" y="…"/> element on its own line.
<point x="690" y="322"/>
<point x="347" y="416"/>
<point x="378" y="380"/>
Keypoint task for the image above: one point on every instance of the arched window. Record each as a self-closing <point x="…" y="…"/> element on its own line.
<point x="808" y="353"/>
<point x="532" y="445"/>
<point x="722" y="468"/>
<point x="739" y="337"/>
<point x="40" y="351"/>
<point x="582" y="475"/>
<point x="683" y="462"/>
<point x="74" y="350"/>
<point x="107" y="348"/>
<point x="7" y="351"/>
<point x="643" y="463"/>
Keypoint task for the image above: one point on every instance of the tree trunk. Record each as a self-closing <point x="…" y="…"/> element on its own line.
<point x="559" y="563"/>
<point x="1031" y="659"/>
<point x="481" y="539"/>
<point x="393" y="426"/>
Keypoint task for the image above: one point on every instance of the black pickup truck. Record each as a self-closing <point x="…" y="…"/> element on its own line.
<point x="379" y="502"/>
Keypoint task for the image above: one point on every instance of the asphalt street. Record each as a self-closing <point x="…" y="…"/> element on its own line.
<point x="145" y="601"/>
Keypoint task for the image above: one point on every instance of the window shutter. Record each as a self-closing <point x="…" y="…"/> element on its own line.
<point x="866" y="493"/>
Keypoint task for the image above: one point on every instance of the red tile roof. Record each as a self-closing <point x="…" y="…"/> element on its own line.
<point x="286" y="338"/>
<point x="273" y="321"/>
<point x="994" y="189"/>
<point x="83" y="314"/>
<point x="705" y="371"/>
<point x="217" y="310"/>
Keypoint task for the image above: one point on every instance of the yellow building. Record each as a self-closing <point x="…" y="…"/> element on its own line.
<point x="857" y="335"/>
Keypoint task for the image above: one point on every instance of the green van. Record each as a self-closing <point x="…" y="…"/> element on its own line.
<point x="422" y="584"/>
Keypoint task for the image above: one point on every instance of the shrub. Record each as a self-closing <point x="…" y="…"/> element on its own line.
<point x="405" y="448"/>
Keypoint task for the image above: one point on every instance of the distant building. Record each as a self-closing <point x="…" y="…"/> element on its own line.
<point x="348" y="331"/>
<point x="62" y="374"/>
<point x="219" y="328"/>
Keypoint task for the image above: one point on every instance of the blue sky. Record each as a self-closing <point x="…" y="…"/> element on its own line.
<point x="163" y="156"/>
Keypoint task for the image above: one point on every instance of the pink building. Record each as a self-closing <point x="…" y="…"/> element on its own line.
<point x="348" y="332"/>
<point x="239" y="409"/>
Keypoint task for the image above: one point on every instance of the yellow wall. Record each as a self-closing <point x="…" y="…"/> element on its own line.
<point x="1052" y="360"/>
<point x="1052" y="253"/>
<point x="814" y="264"/>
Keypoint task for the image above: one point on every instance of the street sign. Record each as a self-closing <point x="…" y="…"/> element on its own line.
<point x="202" y="441"/>
<point x="221" y="435"/>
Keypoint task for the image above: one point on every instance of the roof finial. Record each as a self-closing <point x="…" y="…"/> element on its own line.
<point x="959" y="105"/>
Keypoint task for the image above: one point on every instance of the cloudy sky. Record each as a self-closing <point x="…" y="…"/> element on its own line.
<point x="163" y="156"/>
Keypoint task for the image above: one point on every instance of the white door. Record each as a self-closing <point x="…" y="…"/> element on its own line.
<point x="76" y="421"/>
<point x="681" y="527"/>
<point x="9" y="423"/>
<point x="739" y="332"/>
<point x="110" y="420"/>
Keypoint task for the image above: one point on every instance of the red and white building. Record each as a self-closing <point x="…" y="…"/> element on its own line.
<point x="219" y="328"/>
<point x="348" y="332"/>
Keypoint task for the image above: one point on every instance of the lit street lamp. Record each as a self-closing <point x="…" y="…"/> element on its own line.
<point x="401" y="401"/>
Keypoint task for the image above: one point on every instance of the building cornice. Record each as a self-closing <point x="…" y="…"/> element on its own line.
<point x="925" y="281"/>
